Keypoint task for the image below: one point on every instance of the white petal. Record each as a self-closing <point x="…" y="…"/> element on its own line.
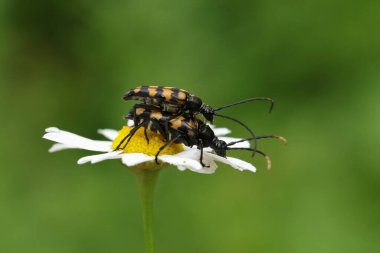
<point x="190" y="153"/>
<point x="110" y="134"/>
<point x="130" y="123"/>
<point x="194" y="154"/>
<point x="182" y="162"/>
<point x="204" y="170"/>
<point x="186" y="148"/>
<point x="51" y="129"/>
<point x="58" y="147"/>
<point x="181" y="168"/>
<point x="241" y="165"/>
<point x="208" y="149"/>
<point x="76" y="141"/>
<point x="221" y="131"/>
<point x="100" y="157"/>
<point x="244" y="144"/>
<point x="211" y="166"/>
<point x="233" y="162"/>
<point x="132" y="159"/>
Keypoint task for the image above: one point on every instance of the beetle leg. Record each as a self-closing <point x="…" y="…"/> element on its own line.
<point x="130" y="135"/>
<point x="163" y="131"/>
<point x="175" y="115"/>
<point x="146" y="135"/>
<point x="201" y="157"/>
<point x="134" y="130"/>
<point x="118" y="146"/>
<point x="163" y="147"/>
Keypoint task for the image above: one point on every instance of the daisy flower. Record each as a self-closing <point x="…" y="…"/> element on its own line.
<point x="138" y="154"/>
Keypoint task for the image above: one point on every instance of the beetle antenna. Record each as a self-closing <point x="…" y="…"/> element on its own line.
<point x="278" y="137"/>
<point x="246" y="101"/>
<point x="245" y="126"/>
<point x="269" y="161"/>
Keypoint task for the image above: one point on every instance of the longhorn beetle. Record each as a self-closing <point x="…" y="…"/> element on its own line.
<point x="185" y="129"/>
<point x="178" y="101"/>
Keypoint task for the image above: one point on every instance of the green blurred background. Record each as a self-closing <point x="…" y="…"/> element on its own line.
<point x="68" y="63"/>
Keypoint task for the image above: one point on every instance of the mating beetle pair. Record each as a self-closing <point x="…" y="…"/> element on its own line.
<point x="172" y="113"/>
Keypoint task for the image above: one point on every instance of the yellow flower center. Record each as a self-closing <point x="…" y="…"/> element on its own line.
<point x="139" y="144"/>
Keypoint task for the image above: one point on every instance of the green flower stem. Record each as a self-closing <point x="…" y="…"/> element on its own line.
<point x="147" y="180"/>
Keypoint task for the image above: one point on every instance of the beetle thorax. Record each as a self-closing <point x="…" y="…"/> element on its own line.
<point x="193" y="103"/>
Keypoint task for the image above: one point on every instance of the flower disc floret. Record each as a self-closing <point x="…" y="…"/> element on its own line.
<point x="139" y="144"/>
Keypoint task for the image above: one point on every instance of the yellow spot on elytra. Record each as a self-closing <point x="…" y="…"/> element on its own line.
<point x="167" y="93"/>
<point x="156" y="115"/>
<point x="138" y="143"/>
<point x="140" y="111"/>
<point x="177" y="122"/>
<point x="152" y="91"/>
<point x="181" y="95"/>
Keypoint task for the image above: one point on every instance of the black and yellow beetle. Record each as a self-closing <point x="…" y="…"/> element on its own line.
<point x="185" y="129"/>
<point x="177" y="101"/>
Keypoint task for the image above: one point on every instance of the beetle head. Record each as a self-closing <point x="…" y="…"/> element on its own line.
<point x="219" y="146"/>
<point x="208" y="112"/>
